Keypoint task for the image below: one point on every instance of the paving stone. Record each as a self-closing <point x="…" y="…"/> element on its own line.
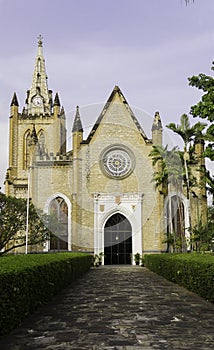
<point x="118" y="308"/>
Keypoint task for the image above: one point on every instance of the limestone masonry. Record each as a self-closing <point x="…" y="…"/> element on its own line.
<point x="101" y="192"/>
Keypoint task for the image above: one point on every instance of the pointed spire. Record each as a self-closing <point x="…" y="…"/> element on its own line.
<point x="62" y="113"/>
<point x="14" y="101"/>
<point x="39" y="82"/>
<point x="77" y="125"/>
<point x="157" y="124"/>
<point x="56" y="100"/>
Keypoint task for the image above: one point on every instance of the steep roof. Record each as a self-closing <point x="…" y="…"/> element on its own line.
<point x="14" y="101"/>
<point x="77" y="125"/>
<point x="115" y="91"/>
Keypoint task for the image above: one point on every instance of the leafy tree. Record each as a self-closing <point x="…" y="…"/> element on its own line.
<point x="188" y="134"/>
<point x="13" y="224"/>
<point x="205" y="108"/>
<point x="209" y="179"/>
<point x="168" y="167"/>
<point x="168" y="176"/>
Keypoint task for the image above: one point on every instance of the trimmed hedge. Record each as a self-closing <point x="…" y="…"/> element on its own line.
<point x="192" y="271"/>
<point x="28" y="281"/>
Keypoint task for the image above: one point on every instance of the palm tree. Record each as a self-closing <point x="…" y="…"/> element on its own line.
<point x="168" y="173"/>
<point x="188" y="134"/>
<point x="168" y="168"/>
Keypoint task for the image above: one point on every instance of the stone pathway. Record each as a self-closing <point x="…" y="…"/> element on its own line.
<point x="118" y="308"/>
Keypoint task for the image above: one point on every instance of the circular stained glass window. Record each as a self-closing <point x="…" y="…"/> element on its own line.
<point x="117" y="162"/>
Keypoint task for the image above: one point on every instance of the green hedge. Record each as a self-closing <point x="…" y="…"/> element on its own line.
<point x="193" y="271"/>
<point x="27" y="281"/>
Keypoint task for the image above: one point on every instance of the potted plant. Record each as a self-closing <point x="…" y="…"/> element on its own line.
<point x="137" y="258"/>
<point x="96" y="260"/>
<point x="100" y="257"/>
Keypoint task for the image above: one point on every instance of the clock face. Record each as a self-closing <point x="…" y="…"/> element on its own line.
<point x="117" y="162"/>
<point x="37" y="101"/>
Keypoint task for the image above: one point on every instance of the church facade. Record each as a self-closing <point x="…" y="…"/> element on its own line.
<point x="101" y="192"/>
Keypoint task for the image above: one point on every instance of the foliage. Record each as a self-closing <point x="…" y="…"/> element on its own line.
<point x="205" y="108"/>
<point x="13" y="214"/>
<point x="203" y="233"/>
<point x="193" y="271"/>
<point x="169" y="169"/>
<point x="137" y="258"/>
<point x="97" y="259"/>
<point x="188" y="134"/>
<point x="175" y="242"/>
<point x="27" y="281"/>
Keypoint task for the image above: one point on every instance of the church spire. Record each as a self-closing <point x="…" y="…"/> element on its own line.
<point x="56" y="100"/>
<point x="14" y="101"/>
<point x="38" y="96"/>
<point x="157" y="130"/>
<point x="77" y="125"/>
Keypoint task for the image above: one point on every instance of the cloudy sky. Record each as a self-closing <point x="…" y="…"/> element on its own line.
<point x="147" y="47"/>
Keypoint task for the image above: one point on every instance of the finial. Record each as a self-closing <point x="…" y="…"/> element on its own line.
<point x="157" y="122"/>
<point x="40" y="40"/>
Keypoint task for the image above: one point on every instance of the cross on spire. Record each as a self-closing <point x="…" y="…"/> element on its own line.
<point x="40" y="40"/>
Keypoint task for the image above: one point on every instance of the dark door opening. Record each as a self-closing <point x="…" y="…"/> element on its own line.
<point x="117" y="240"/>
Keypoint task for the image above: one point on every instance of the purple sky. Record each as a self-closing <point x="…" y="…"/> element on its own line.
<point x="147" y="47"/>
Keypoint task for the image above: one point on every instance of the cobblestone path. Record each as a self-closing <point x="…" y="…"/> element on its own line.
<point x="118" y="308"/>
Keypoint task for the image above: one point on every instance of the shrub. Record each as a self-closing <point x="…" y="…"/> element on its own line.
<point x="28" y="281"/>
<point x="192" y="271"/>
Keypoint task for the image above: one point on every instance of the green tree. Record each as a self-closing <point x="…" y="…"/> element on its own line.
<point x="13" y="224"/>
<point x="168" y="167"/>
<point x="203" y="233"/>
<point x="189" y="134"/>
<point x="168" y="176"/>
<point x="205" y="108"/>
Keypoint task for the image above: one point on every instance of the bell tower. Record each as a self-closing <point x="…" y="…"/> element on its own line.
<point x="41" y="124"/>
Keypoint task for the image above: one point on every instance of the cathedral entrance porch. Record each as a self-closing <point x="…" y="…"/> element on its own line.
<point x="117" y="227"/>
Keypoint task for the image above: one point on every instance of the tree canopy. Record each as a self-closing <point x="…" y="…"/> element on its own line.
<point x="13" y="224"/>
<point x="205" y="108"/>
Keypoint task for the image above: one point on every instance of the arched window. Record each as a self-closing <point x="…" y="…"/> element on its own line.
<point x="58" y="212"/>
<point x="26" y="150"/>
<point x="41" y="142"/>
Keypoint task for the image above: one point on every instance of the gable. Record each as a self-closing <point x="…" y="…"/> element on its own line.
<point x="116" y="113"/>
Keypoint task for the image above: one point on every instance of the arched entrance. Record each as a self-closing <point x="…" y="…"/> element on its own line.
<point x="117" y="240"/>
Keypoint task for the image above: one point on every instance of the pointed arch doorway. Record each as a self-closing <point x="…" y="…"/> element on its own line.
<point x="117" y="240"/>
